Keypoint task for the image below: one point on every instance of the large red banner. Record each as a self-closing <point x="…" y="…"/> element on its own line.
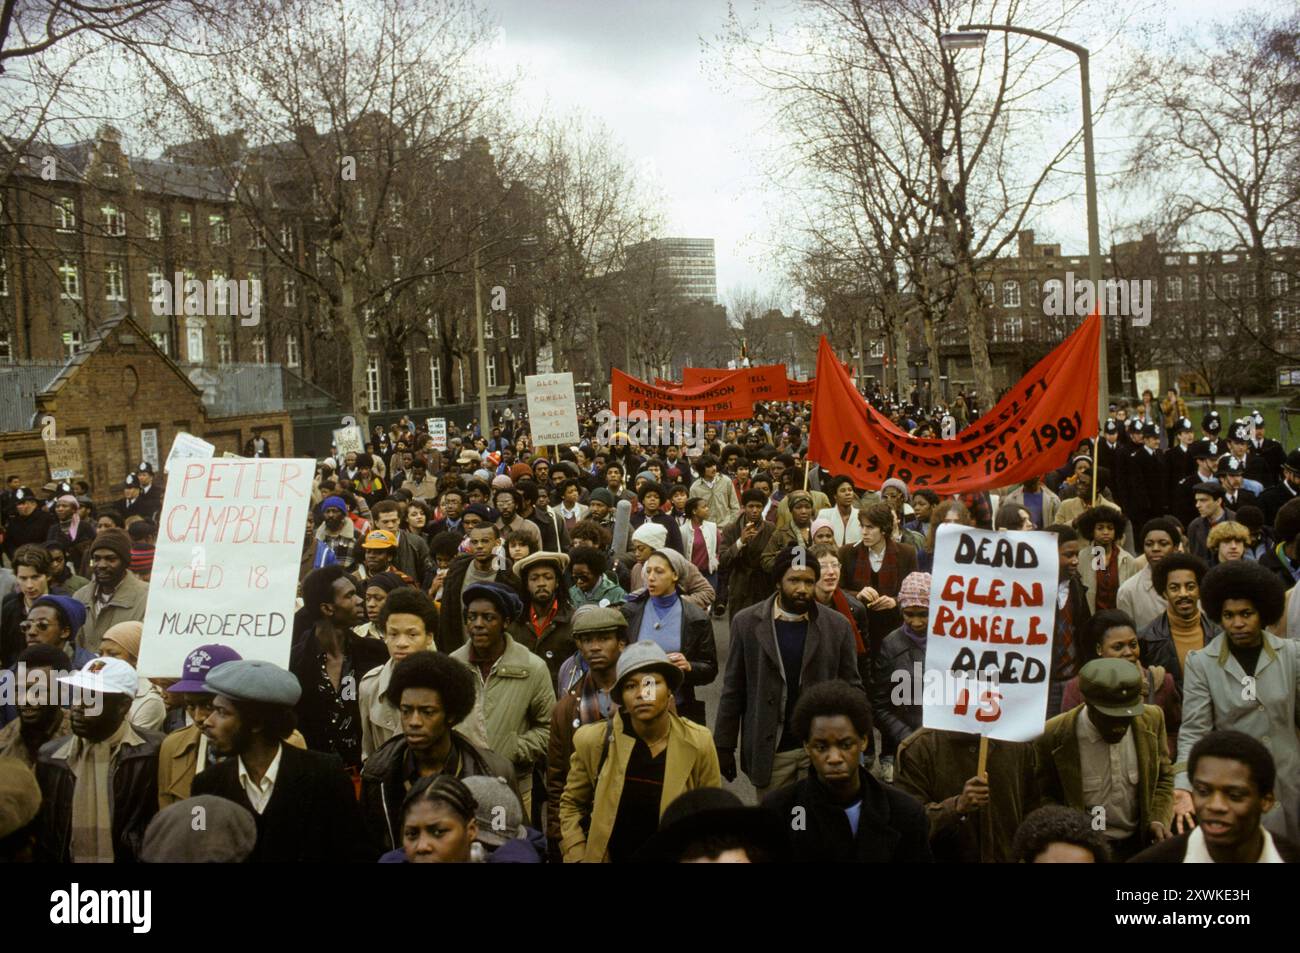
<point x="1032" y="430"/>
<point x="727" y="399"/>
<point x="766" y="381"/>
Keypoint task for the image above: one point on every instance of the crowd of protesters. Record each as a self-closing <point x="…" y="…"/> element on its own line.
<point x="499" y="653"/>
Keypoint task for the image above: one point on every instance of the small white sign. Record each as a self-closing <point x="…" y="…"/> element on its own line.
<point x="349" y="440"/>
<point x="186" y="446"/>
<point x="438" y="431"/>
<point x="149" y="447"/>
<point x="552" y="409"/>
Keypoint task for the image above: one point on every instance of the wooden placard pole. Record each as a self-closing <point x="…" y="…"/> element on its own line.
<point x="982" y="770"/>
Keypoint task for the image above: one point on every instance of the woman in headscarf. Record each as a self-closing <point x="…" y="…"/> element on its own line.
<point x="377" y="588"/>
<point x="149" y="709"/>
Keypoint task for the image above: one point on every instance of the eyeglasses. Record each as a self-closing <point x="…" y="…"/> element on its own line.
<point x="43" y="625"/>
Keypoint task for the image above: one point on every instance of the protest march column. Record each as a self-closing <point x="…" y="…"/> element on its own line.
<point x="226" y="568"/>
<point x="988" y="656"/>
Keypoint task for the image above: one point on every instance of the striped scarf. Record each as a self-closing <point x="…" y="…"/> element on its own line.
<point x="885" y="580"/>
<point x="92" y="795"/>
<point x="841" y="603"/>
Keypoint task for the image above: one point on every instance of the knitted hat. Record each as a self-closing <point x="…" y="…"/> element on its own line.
<point x="601" y="495"/>
<point x="520" y="471"/>
<point x="116" y="540"/>
<point x="652" y="534"/>
<point x="72" y="611"/>
<point x="896" y="484"/>
<point x="127" y="635"/>
<point x="821" y="524"/>
<point x="915" y="591"/>
<point x="502" y="482"/>
<point x="386" y="581"/>
<point x="334" y="502"/>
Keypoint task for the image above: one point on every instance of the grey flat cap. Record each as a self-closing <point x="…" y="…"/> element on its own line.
<point x="500" y="815"/>
<point x="200" y="830"/>
<point x="594" y="618"/>
<point x="251" y="680"/>
<point x="646" y="656"/>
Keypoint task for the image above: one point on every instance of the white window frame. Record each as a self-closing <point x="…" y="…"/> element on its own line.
<point x="259" y="237"/>
<point x="410" y="384"/>
<point x="162" y="339"/>
<point x="153" y="223"/>
<point x="1231" y="286"/>
<point x="225" y="352"/>
<point x="185" y="225"/>
<point x="491" y="365"/>
<point x="988" y="293"/>
<point x="286" y="236"/>
<point x="489" y="327"/>
<point x="69" y="280"/>
<point x="290" y="291"/>
<point x="877" y="348"/>
<point x="1010" y="293"/>
<point x="435" y="378"/>
<point x="1174" y="288"/>
<point x="6" y="348"/>
<point x="1193" y="286"/>
<point x="259" y="348"/>
<point x="72" y="344"/>
<point x="374" y="396"/>
<point x="1278" y="284"/>
<point x="114" y="281"/>
<point x="220" y="296"/>
<point x="292" y="353"/>
<point x="218" y="229"/>
<point x="194" y="341"/>
<point x="65" y="214"/>
<point x="114" y="221"/>
<point x="515" y="324"/>
<point x="1015" y="328"/>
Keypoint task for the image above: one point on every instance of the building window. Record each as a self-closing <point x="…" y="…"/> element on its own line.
<point x="489" y="327"/>
<point x="1015" y="328"/>
<point x="517" y="365"/>
<point x="65" y="214"/>
<point x="225" y="354"/>
<point x="286" y="237"/>
<point x="163" y="340"/>
<point x="1010" y="294"/>
<point x="397" y="264"/>
<point x="153" y="223"/>
<point x="1231" y="286"/>
<point x="1277" y="284"/>
<point x="71" y="344"/>
<point x="259" y="237"/>
<point x="322" y="260"/>
<point x="70" y="280"/>
<point x="372" y="385"/>
<point x="221" y="291"/>
<point x="186" y="226"/>
<point x="1193" y="287"/>
<point x="491" y="370"/>
<point x="514" y="326"/>
<point x="290" y="292"/>
<point x="114" y="221"/>
<point x="4" y="278"/>
<point x="259" y="348"/>
<point x="218" y="230"/>
<point x="115" y="287"/>
<point x="291" y="355"/>
<point x="410" y="385"/>
<point x="878" y="348"/>
<point x="1125" y="373"/>
<point x="1174" y="288"/>
<point x="435" y="378"/>
<point x="194" y="342"/>
<point x="987" y="292"/>
<point x="6" y="349"/>
<point x="395" y="210"/>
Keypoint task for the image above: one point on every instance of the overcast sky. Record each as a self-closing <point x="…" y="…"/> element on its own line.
<point x="640" y="68"/>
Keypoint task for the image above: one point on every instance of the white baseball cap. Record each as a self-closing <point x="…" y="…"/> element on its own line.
<point x="109" y="675"/>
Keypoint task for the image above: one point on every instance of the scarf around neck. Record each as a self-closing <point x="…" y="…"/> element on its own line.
<point x="92" y="795"/>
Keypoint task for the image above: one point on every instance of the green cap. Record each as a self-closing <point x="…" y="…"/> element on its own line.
<point x="1113" y="686"/>
<point x="594" y="618"/>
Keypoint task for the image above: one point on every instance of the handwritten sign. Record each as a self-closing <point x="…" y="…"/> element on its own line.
<point x="438" y="431"/>
<point x="348" y="440"/>
<point x="186" y="446"/>
<point x="552" y="409"/>
<point x="988" y="654"/>
<point x="63" y="454"/>
<point x="226" y="567"/>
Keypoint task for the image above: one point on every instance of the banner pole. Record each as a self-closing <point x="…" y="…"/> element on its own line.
<point x="982" y="771"/>
<point x="1096" y="457"/>
<point x="806" y="465"/>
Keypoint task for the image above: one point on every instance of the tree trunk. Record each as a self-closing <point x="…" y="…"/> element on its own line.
<point x="981" y="367"/>
<point x="360" y="408"/>
<point x="932" y="356"/>
<point x="902" y="355"/>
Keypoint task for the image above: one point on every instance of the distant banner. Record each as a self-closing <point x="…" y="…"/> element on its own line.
<point x="766" y="381"/>
<point x="988" y="653"/>
<point x="1033" y="430"/>
<point x="799" y="390"/>
<point x="727" y="399"/>
<point x="226" y="567"/>
<point x="552" y="409"/>
<point x="63" y="454"/>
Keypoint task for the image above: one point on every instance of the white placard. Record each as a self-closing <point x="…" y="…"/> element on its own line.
<point x="988" y="653"/>
<point x="552" y="409"/>
<point x="149" y="447"/>
<point x="349" y="440"/>
<point x="186" y="446"/>
<point x="226" y="567"/>
<point x="1148" y="381"/>
<point x="438" y="431"/>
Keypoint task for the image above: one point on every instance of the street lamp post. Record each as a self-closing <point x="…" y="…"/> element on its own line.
<point x="973" y="36"/>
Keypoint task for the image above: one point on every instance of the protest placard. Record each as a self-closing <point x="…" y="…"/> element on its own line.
<point x="226" y="565"/>
<point x="988" y="653"/>
<point x="349" y="440"/>
<point x="149" y="446"/>
<point x="438" y="431"/>
<point x="186" y="446"/>
<point x="63" y="454"/>
<point x="552" y="409"/>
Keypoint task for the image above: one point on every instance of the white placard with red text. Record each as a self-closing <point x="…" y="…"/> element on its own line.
<point x="988" y="653"/>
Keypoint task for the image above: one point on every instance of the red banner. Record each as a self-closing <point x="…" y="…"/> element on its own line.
<point x="1032" y="430"/>
<point x="727" y="399"/>
<point x="667" y="384"/>
<point x="766" y="381"/>
<point x="800" y="390"/>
